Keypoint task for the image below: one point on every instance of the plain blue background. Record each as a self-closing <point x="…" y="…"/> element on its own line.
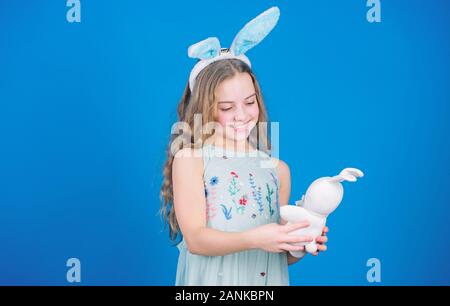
<point x="86" y="111"/>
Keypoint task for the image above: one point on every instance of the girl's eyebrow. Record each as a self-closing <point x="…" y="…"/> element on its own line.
<point x="254" y="94"/>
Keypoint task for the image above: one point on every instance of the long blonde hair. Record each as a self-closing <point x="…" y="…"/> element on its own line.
<point x="203" y="101"/>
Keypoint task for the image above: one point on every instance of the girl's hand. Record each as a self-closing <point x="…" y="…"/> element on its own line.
<point x="321" y="240"/>
<point x="275" y="238"/>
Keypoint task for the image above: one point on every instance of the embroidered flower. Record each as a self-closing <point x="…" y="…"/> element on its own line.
<point x="269" y="199"/>
<point x="214" y="180"/>
<point x="260" y="202"/>
<point x="243" y="200"/>
<point x="233" y="187"/>
<point x="256" y="193"/>
<point x="277" y="197"/>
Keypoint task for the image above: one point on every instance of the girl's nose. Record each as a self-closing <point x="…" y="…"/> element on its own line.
<point x="240" y="114"/>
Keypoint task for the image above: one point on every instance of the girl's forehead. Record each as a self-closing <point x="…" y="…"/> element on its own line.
<point x="237" y="88"/>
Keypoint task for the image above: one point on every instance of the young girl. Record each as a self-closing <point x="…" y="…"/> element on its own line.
<point x="217" y="189"/>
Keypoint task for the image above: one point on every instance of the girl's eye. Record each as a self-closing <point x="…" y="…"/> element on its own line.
<point x="250" y="103"/>
<point x="225" y="109"/>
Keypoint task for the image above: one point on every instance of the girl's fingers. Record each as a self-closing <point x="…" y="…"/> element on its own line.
<point x="298" y="238"/>
<point x="290" y="247"/>
<point x="295" y="226"/>
<point x="322" y="239"/>
<point x="322" y="247"/>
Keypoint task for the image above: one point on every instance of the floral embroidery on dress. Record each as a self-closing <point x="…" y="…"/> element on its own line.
<point x="269" y="199"/>
<point x="214" y="180"/>
<point x="277" y="191"/>
<point x="242" y="204"/>
<point x="233" y="189"/>
<point x="243" y="200"/>
<point x="256" y="193"/>
<point x="253" y="189"/>
<point x="240" y="199"/>
<point x="260" y="202"/>
<point x="226" y="212"/>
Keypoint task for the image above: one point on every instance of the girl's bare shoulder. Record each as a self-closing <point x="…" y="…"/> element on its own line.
<point x="188" y="160"/>
<point x="281" y="167"/>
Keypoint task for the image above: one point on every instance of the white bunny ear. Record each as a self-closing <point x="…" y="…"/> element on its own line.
<point x="348" y="174"/>
<point x="205" y="49"/>
<point x="355" y="172"/>
<point x="255" y="31"/>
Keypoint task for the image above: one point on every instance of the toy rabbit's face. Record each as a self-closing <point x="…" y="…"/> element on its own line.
<point x="323" y="196"/>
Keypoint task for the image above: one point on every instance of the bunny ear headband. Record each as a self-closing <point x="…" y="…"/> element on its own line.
<point x="209" y="50"/>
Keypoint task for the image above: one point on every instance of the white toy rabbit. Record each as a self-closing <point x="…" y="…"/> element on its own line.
<point x="322" y="197"/>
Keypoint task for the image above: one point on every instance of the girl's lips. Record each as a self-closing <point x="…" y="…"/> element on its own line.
<point x="241" y="127"/>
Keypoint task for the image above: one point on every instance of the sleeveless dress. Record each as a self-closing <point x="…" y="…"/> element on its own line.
<point x="241" y="193"/>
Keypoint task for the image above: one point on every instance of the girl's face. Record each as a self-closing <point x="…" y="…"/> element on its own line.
<point x="237" y="108"/>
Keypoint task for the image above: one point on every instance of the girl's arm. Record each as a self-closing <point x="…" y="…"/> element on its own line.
<point x="190" y="209"/>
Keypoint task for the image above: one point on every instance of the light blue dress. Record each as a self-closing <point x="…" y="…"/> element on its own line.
<point x="241" y="193"/>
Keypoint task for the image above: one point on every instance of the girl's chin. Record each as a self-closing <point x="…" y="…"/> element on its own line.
<point x="238" y="136"/>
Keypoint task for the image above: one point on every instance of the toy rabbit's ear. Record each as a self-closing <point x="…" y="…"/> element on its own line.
<point x="347" y="177"/>
<point x="205" y="49"/>
<point x="255" y="31"/>
<point x="300" y="202"/>
<point x="349" y="174"/>
<point x="355" y="172"/>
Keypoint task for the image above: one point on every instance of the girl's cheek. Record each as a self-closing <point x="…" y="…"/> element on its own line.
<point x="253" y="111"/>
<point x="224" y="118"/>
